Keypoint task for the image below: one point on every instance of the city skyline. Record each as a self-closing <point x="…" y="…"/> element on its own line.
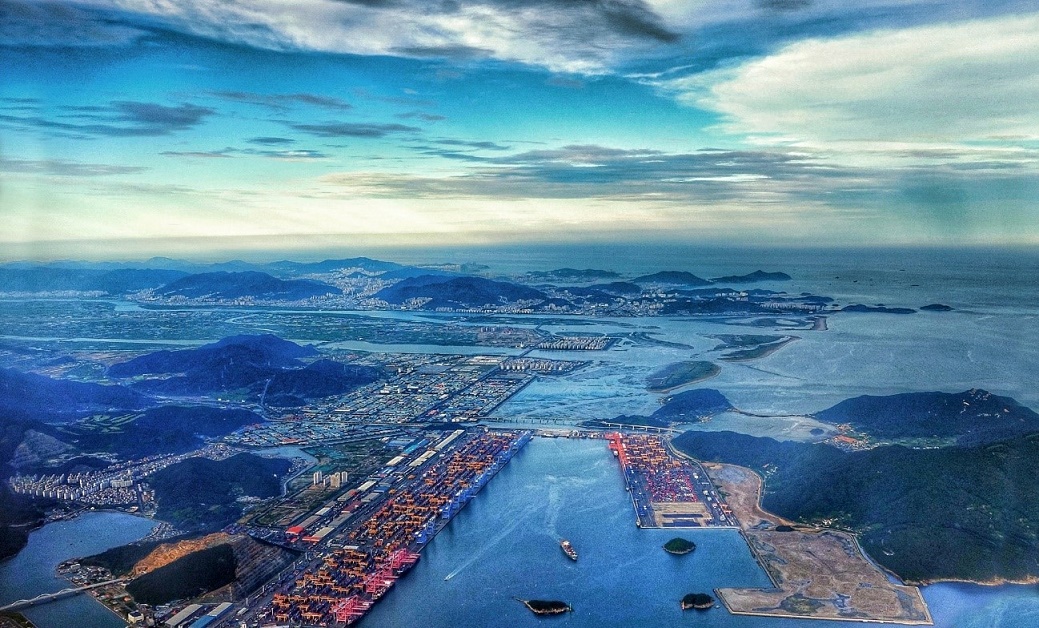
<point x="150" y="129"/>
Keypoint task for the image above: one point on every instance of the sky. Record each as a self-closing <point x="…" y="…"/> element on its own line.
<point x="154" y="127"/>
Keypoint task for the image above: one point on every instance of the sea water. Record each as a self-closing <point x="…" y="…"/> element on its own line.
<point x="505" y="545"/>
<point x="31" y="571"/>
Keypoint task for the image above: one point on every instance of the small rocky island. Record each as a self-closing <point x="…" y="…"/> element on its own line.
<point x="679" y="546"/>
<point x="547" y="607"/>
<point x="698" y="601"/>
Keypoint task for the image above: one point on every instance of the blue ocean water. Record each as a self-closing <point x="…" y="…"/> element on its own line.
<point x="31" y="572"/>
<point x="505" y="545"/>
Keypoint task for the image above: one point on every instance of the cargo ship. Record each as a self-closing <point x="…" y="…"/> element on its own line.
<point x="568" y="549"/>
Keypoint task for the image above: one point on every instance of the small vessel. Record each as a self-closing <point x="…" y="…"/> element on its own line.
<point x="568" y="549"/>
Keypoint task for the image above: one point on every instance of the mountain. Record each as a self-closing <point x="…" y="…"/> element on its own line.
<point x="757" y="275"/>
<point x="25" y="394"/>
<point x="202" y="494"/>
<point x="692" y="406"/>
<point x="265" y="365"/>
<point x="322" y="378"/>
<point x="55" y="279"/>
<point x="332" y="265"/>
<point x="259" y="351"/>
<point x="973" y="415"/>
<point x="969" y="513"/>
<point x="246" y="284"/>
<point x="465" y="292"/>
<point x="673" y="277"/>
<point x="572" y="275"/>
<point x="165" y="429"/>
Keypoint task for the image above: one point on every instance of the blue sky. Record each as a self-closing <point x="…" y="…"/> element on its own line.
<point x="133" y="127"/>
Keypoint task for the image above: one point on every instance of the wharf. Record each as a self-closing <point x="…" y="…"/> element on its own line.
<point x="667" y="491"/>
<point x="355" y="565"/>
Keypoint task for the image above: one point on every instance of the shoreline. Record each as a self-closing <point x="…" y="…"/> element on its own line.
<point x="765" y="350"/>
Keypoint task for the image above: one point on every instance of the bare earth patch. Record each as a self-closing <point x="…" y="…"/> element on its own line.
<point x="817" y="573"/>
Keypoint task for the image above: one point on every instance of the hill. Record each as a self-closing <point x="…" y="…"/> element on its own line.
<point x="332" y="265"/>
<point x="186" y="577"/>
<point x="973" y="416"/>
<point x="266" y="350"/>
<point x="201" y="494"/>
<point x="691" y="406"/>
<point x="968" y="513"/>
<point x="464" y="292"/>
<point x="673" y="277"/>
<point x="165" y="429"/>
<point x="245" y="284"/>
<point x="61" y="399"/>
<point x="257" y="365"/>
<point x="60" y="279"/>
<point x="757" y="275"/>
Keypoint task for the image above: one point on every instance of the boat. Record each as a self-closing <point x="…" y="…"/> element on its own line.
<point x="568" y="549"/>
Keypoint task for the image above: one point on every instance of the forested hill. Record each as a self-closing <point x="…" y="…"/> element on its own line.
<point x="969" y="513"/>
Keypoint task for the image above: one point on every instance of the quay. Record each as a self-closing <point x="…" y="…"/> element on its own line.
<point x="353" y="566"/>
<point x="667" y="491"/>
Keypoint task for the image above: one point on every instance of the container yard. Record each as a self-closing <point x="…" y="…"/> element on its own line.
<point x="667" y="491"/>
<point x="358" y="556"/>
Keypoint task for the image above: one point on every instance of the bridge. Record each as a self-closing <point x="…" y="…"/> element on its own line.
<point x="43" y="598"/>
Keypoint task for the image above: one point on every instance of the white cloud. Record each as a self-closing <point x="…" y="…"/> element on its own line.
<point x="962" y="88"/>
<point x="559" y="35"/>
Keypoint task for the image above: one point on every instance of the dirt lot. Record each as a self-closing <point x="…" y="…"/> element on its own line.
<point x="820" y="574"/>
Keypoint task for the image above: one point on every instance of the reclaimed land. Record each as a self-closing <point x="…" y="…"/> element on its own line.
<point x="947" y="513"/>
<point x="817" y="573"/>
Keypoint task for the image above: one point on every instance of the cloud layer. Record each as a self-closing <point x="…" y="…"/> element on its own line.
<point x="961" y="91"/>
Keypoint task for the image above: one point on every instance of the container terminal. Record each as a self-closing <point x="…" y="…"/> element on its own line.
<point x="357" y="557"/>
<point x="667" y="491"/>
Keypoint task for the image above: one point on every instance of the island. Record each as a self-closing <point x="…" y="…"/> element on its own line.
<point x="679" y="374"/>
<point x="679" y="547"/>
<point x="697" y="601"/>
<point x="547" y="607"/>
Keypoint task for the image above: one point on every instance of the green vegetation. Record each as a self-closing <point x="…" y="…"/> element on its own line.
<point x="973" y="416"/>
<point x="201" y="494"/>
<point x="798" y="604"/>
<point x="679" y="546"/>
<point x="547" y="607"/>
<point x="680" y="374"/>
<point x="969" y="513"/>
<point x="699" y="601"/>
<point x="186" y="577"/>
<point x="120" y="560"/>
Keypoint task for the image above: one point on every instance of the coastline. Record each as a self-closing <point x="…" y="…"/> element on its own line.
<point x="761" y="351"/>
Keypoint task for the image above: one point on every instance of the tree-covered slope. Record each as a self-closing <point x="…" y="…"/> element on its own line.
<point x="927" y="514"/>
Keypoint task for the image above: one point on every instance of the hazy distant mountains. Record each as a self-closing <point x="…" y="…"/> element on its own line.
<point x="251" y="284"/>
<point x="448" y="291"/>
<point x="355" y="282"/>
<point x="51" y="279"/>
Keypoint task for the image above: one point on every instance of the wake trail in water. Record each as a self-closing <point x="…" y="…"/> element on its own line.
<point x="501" y="536"/>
